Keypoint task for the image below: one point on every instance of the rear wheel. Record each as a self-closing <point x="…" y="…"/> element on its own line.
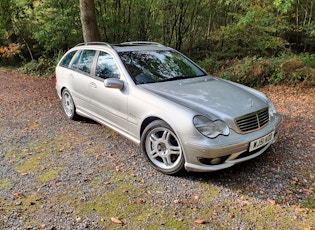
<point x="162" y="148"/>
<point x="68" y="105"/>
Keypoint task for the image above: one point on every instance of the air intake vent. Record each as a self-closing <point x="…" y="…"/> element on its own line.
<point x="253" y="121"/>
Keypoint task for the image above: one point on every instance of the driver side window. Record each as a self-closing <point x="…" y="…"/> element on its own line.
<point x="106" y="66"/>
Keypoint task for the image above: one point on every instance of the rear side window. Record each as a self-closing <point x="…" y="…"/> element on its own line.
<point x="84" y="61"/>
<point x="67" y="59"/>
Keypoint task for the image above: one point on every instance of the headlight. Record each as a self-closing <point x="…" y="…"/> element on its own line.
<point x="272" y="109"/>
<point x="209" y="128"/>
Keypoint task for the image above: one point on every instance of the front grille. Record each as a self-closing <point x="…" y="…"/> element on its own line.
<point x="253" y="121"/>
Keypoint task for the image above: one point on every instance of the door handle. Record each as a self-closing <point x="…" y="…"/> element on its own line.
<point x="93" y="85"/>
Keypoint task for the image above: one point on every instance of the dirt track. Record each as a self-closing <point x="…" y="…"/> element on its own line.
<point x="61" y="174"/>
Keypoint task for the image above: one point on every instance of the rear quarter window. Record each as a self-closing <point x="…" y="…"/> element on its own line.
<point x="67" y="59"/>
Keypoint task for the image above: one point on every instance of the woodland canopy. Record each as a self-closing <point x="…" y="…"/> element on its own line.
<point x="209" y="31"/>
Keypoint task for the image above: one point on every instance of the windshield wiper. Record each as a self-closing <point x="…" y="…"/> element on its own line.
<point x="181" y="78"/>
<point x="176" y="78"/>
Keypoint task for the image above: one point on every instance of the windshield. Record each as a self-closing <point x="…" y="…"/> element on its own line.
<point x="157" y="66"/>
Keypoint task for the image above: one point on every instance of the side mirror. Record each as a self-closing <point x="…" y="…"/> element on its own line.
<point x="114" y="83"/>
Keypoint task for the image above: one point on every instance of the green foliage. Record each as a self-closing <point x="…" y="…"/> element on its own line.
<point x="283" y="6"/>
<point x="253" y="32"/>
<point x="43" y="66"/>
<point x="58" y="24"/>
<point x="216" y="29"/>
<point x="253" y="71"/>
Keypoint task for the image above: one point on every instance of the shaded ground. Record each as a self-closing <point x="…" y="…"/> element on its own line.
<point x="61" y="174"/>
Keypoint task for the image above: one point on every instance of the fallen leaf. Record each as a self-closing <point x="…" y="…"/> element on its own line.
<point x="200" y="221"/>
<point x="18" y="195"/>
<point x="289" y="191"/>
<point x="79" y="219"/>
<point x="310" y="190"/>
<point x="141" y="201"/>
<point x="243" y="202"/>
<point x="115" y="220"/>
<point x="270" y="201"/>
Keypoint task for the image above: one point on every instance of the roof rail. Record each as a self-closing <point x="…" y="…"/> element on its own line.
<point x="141" y="43"/>
<point x="94" y="43"/>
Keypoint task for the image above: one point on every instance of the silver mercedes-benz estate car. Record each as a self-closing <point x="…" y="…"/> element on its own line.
<point x="183" y="118"/>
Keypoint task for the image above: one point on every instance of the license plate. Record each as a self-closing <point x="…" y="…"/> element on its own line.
<point x="256" y="144"/>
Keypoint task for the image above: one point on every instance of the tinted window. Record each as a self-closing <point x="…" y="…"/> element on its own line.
<point x="84" y="61"/>
<point x="67" y="59"/>
<point x="157" y="66"/>
<point x="106" y="66"/>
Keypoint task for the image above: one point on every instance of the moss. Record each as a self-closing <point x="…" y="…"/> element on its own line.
<point x="31" y="158"/>
<point x="49" y="176"/>
<point x="31" y="164"/>
<point x="5" y="183"/>
<point x="93" y="150"/>
<point x="14" y="154"/>
<point x="309" y="203"/>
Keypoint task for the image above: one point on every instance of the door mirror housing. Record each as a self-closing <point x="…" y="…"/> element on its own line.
<point x="114" y="83"/>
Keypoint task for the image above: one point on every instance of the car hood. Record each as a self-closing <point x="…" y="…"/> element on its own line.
<point x="214" y="97"/>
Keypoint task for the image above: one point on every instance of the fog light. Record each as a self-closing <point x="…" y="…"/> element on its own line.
<point x="215" y="161"/>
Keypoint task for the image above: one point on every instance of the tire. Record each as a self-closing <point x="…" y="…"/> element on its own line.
<point x="68" y="105"/>
<point x="162" y="148"/>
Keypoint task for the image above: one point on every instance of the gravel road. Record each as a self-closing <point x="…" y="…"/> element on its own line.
<point x="62" y="174"/>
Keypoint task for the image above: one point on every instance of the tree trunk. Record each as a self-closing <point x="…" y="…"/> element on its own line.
<point x="88" y="21"/>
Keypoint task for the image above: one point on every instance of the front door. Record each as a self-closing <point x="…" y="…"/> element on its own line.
<point x="109" y="105"/>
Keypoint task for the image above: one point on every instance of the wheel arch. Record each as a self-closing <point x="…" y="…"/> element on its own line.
<point x="62" y="89"/>
<point x="146" y="122"/>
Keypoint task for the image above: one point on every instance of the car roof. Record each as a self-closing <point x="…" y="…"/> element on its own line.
<point x="127" y="46"/>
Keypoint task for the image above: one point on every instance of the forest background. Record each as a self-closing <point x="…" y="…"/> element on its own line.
<point x="254" y="42"/>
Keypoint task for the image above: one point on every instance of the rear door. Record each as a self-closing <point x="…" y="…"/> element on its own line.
<point x="82" y="66"/>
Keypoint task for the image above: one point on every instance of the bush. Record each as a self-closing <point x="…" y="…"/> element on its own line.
<point x="42" y="67"/>
<point x="256" y="72"/>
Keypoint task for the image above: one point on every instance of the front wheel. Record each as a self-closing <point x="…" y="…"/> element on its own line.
<point x="68" y="105"/>
<point x="162" y="148"/>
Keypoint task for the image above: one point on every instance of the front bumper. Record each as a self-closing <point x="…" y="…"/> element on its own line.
<point x="229" y="150"/>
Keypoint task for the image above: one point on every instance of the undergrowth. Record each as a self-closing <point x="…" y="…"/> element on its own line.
<point x="44" y="66"/>
<point x="253" y="71"/>
<point x="259" y="71"/>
